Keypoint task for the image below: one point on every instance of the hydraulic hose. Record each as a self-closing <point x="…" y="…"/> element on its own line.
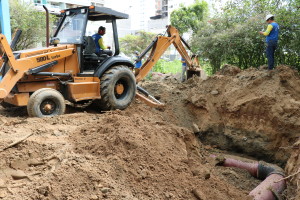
<point x="144" y="92"/>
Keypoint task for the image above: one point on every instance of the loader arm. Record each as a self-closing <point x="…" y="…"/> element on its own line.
<point x="158" y="47"/>
<point x="18" y="67"/>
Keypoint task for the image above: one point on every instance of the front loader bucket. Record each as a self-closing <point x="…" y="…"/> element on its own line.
<point x="191" y="72"/>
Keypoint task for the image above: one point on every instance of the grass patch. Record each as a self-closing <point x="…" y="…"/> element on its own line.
<point x="165" y="67"/>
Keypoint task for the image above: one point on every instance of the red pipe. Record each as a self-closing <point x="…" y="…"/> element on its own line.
<point x="269" y="188"/>
<point x="250" y="167"/>
<point x="272" y="175"/>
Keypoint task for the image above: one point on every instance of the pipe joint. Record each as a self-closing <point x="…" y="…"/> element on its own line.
<point x="266" y="169"/>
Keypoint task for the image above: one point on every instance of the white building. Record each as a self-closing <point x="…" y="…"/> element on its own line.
<point x="164" y="8"/>
<point x="139" y="12"/>
<point x="55" y="6"/>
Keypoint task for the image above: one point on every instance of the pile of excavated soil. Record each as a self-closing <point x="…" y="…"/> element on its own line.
<point x="132" y="154"/>
<point x="148" y="153"/>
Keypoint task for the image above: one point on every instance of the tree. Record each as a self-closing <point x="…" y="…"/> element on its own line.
<point x="189" y="18"/>
<point x="138" y="42"/>
<point x="30" y="21"/>
<point x="231" y="36"/>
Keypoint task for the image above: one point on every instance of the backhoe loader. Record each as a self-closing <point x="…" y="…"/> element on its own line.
<point x="68" y="68"/>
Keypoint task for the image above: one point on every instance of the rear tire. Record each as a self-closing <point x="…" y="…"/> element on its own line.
<point x="117" y="88"/>
<point x="46" y="102"/>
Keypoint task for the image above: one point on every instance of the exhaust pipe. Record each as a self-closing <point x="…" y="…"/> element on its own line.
<point x="15" y="40"/>
<point x="47" y="26"/>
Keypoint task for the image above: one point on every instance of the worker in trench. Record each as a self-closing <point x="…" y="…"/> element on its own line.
<point x="138" y="63"/>
<point x="183" y="72"/>
<point x="272" y="35"/>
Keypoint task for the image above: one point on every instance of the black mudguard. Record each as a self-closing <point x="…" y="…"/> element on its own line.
<point x="112" y="61"/>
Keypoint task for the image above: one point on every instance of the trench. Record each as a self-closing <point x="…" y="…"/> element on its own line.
<point x="242" y="142"/>
<point x="249" y="145"/>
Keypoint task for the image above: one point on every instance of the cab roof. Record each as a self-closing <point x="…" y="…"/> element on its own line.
<point x="101" y="13"/>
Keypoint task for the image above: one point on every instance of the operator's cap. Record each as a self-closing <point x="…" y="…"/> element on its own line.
<point x="269" y="16"/>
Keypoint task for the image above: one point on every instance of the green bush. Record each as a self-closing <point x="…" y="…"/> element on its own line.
<point x="164" y="66"/>
<point x="24" y="16"/>
<point x="231" y="35"/>
<point x="138" y="42"/>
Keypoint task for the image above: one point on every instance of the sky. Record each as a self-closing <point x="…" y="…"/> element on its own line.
<point x="122" y="6"/>
<point x="118" y="5"/>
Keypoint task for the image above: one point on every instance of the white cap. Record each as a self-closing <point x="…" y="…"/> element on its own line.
<point x="269" y="16"/>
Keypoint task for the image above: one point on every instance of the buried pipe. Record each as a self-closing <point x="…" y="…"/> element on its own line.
<point x="269" y="189"/>
<point x="272" y="175"/>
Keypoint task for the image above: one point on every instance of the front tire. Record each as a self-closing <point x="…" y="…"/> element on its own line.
<point x="117" y="88"/>
<point x="46" y="102"/>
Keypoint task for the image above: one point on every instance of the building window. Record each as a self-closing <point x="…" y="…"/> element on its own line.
<point x="40" y="1"/>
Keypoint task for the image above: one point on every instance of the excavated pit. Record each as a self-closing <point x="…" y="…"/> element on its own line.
<point x="252" y="113"/>
<point x="254" y="147"/>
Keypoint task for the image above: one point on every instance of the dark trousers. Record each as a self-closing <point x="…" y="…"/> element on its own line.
<point x="107" y="52"/>
<point x="270" y="51"/>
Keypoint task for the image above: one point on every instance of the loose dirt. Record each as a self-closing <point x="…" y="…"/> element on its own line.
<point x="148" y="153"/>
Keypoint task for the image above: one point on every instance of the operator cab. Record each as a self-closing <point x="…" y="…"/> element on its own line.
<point x="77" y="27"/>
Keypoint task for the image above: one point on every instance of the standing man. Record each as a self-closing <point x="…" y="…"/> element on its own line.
<point x="271" y="34"/>
<point x="101" y="48"/>
<point x="183" y="77"/>
<point x="138" y="63"/>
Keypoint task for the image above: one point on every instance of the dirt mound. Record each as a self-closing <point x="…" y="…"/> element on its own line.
<point x="229" y="70"/>
<point x="133" y="154"/>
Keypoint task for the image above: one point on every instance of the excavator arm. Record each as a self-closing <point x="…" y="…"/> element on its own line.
<point x="159" y="45"/>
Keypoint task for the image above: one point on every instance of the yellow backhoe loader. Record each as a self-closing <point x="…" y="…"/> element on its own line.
<point x="68" y="68"/>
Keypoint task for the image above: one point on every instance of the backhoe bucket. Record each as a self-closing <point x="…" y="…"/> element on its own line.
<point x="191" y="72"/>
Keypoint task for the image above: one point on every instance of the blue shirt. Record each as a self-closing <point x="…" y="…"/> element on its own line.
<point x="184" y="63"/>
<point x="96" y="38"/>
<point x="138" y="64"/>
<point x="274" y="33"/>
